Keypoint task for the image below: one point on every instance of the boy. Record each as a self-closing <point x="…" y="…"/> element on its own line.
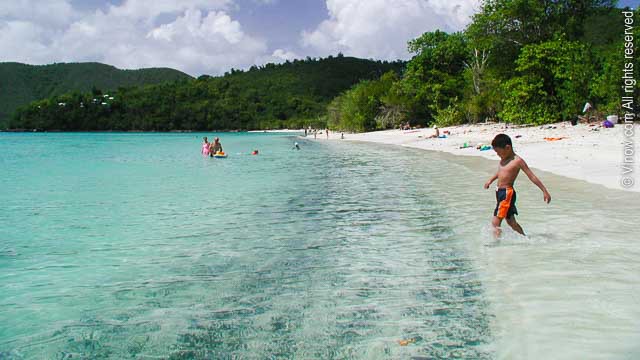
<point x="510" y="165"/>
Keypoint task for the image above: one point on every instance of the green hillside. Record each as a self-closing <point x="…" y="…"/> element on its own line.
<point x="21" y="84"/>
<point x="292" y="94"/>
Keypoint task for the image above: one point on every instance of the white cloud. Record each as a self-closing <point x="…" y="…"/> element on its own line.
<point x="284" y="55"/>
<point x="44" y="13"/>
<point x="199" y="36"/>
<point x="216" y="26"/>
<point x="381" y="28"/>
<point x="22" y="42"/>
<point x="149" y="9"/>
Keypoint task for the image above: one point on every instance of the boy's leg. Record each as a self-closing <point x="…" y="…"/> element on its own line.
<point x="496" y="221"/>
<point x="514" y="225"/>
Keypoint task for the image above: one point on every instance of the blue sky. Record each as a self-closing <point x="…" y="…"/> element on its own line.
<point x="630" y="3"/>
<point x="212" y="36"/>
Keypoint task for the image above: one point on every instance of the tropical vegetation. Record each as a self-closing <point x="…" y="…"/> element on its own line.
<point x="21" y="84"/>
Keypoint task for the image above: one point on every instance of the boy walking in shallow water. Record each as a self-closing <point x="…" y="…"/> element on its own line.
<point x="510" y="165"/>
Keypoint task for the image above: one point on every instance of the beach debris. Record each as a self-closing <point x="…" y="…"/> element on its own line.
<point x="555" y="138"/>
<point x="406" y="342"/>
<point x="465" y="146"/>
<point x="518" y="136"/>
<point x="607" y="124"/>
<point x="485" y="147"/>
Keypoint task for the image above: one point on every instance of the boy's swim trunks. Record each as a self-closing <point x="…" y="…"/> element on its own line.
<point x="506" y="203"/>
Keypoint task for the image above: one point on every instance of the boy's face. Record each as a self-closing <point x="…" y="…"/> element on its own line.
<point x="504" y="152"/>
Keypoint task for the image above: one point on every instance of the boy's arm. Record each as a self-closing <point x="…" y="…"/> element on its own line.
<point x="534" y="179"/>
<point x="488" y="183"/>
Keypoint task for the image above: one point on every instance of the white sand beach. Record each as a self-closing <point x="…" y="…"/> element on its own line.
<point x="586" y="152"/>
<point x="278" y="131"/>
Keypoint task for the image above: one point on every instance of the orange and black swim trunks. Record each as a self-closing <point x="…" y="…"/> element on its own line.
<point x="506" y="203"/>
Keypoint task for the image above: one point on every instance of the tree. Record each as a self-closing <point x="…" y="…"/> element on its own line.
<point x="503" y="27"/>
<point x="551" y="85"/>
<point x="434" y="75"/>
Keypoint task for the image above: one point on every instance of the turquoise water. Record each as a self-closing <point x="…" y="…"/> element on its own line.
<point x="135" y="246"/>
<point x="120" y="246"/>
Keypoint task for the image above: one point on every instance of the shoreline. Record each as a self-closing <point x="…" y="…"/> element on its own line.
<point x="587" y="152"/>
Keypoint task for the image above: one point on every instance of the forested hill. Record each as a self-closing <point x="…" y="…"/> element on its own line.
<point x="291" y="94"/>
<point x="21" y="84"/>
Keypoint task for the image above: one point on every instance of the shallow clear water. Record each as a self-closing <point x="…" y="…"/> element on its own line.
<point x="134" y="245"/>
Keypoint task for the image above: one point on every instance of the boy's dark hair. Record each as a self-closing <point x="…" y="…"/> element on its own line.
<point x="501" y="141"/>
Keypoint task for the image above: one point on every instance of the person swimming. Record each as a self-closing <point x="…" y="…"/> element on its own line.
<point x="296" y="146"/>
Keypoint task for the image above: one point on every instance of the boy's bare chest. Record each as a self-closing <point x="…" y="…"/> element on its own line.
<point x="508" y="168"/>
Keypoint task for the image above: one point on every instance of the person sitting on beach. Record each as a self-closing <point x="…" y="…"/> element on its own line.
<point x="205" y="146"/>
<point x="215" y="147"/>
<point x="436" y="134"/>
<point x="510" y="166"/>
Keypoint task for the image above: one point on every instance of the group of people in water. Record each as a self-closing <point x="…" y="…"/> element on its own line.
<point x="213" y="148"/>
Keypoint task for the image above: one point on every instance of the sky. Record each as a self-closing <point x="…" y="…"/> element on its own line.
<point x="213" y="36"/>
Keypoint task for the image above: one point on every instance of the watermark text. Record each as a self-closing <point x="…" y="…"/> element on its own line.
<point x="627" y="176"/>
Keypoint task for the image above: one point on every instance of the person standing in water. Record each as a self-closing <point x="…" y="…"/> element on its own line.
<point x="205" y="146"/>
<point x="510" y="166"/>
<point x="215" y="147"/>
